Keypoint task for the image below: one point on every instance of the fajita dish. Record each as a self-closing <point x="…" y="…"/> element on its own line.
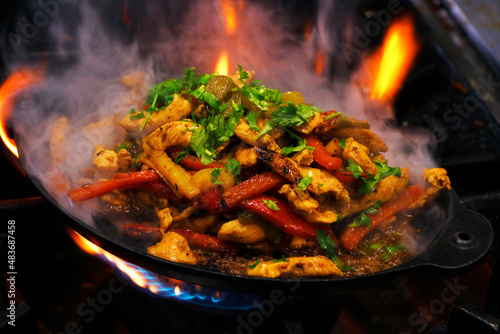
<point x="224" y="173"/>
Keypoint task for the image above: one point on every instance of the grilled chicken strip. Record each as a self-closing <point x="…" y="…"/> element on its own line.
<point x="364" y="136"/>
<point x="386" y="190"/>
<point x="171" y="134"/>
<point x="296" y="267"/>
<point x="175" y="111"/>
<point x="359" y="154"/>
<point x="173" y="247"/>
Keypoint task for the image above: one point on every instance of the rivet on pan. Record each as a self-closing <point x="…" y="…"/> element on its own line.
<point x="463" y="238"/>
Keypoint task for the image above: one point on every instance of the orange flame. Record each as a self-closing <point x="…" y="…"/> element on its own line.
<point x="229" y="11"/>
<point x="319" y="65"/>
<point x="222" y="66"/>
<point x="17" y="81"/>
<point x="124" y="266"/>
<point x="394" y="59"/>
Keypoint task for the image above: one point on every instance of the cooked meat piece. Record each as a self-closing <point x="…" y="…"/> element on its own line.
<point x="124" y="160"/>
<point x="300" y="243"/>
<point x="57" y="143"/>
<point x="300" y="199"/>
<point x="249" y="136"/>
<point x="364" y="136"/>
<point x="309" y="126"/>
<point x="322" y="182"/>
<point x="320" y="217"/>
<point x="116" y="198"/>
<point x="386" y="190"/>
<point x="173" y="247"/>
<point x="246" y="156"/>
<point x="170" y="134"/>
<point x="242" y="232"/>
<point x="296" y="267"/>
<point x="175" y="111"/>
<point x="437" y="178"/>
<point x="303" y="158"/>
<point x="200" y="224"/>
<point x="105" y="160"/>
<point x="282" y="165"/>
<point x="359" y="154"/>
<point x="165" y="218"/>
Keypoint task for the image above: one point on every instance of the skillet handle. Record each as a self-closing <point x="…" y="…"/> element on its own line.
<point x="461" y="244"/>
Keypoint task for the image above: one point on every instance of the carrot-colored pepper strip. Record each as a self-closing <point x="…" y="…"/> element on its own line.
<point x="160" y="188"/>
<point x="284" y="219"/>
<point x="321" y="156"/>
<point x="100" y="188"/>
<point x="344" y="176"/>
<point x="142" y="231"/>
<point x="211" y="201"/>
<point x="191" y="161"/>
<point x="253" y="186"/>
<point x="206" y="241"/>
<point x="352" y="236"/>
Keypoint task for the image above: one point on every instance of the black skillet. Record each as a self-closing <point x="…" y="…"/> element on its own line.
<point x="452" y="239"/>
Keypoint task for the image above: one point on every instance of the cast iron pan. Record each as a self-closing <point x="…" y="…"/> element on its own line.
<point x="452" y="238"/>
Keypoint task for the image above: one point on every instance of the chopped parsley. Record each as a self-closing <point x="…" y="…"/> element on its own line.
<point x="330" y="246"/>
<point x="123" y="146"/>
<point x="273" y="205"/>
<point x="305" y="182"/>
<point x="252" y="266"/>
<point x="233" y="166"/>
<point x="251" y="118"/>
<point x="301" y="145"/>
<point x="182" y="155"/>
<point x="282" y="259"/>
<point x="215" y="176"/>
<point x="362" y="219"/>
<point x="290" y="114"/>
<point x="342" y="143"/>
<point x="369" y="180"/>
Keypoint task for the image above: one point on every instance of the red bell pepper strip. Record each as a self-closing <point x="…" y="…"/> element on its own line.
<point x="141" y="231"/>
<point x="120" y="180"/>
<point x="344" y="176"/>
<point x="352" y="236"/>
<point x="321" y="156"/>
<point x="285" y="219"/>
<point x="160" y="188"/>
<point x="191" y="161"/>
<point x="253" y="186"/>
<point x="210" y="201"/>
<point x="206" y="241"/>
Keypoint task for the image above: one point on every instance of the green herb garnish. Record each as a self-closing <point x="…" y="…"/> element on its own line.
<point x="362" y="219"/>
<point x="252" y="266"/>
<point x="282" y="259"/>
<point x="305" y="182"/>
<point x="215" y="176"/>
<point x="342" y="143"/>
<point x="330" y="246"/>
<point x="273" y="205"/>
<point x="233" y="166"/>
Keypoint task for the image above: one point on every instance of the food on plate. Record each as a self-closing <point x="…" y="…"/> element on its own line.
<point x="225" y="173"/>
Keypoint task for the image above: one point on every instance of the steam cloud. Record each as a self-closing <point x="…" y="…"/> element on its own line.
<point x="89" y="54"/>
